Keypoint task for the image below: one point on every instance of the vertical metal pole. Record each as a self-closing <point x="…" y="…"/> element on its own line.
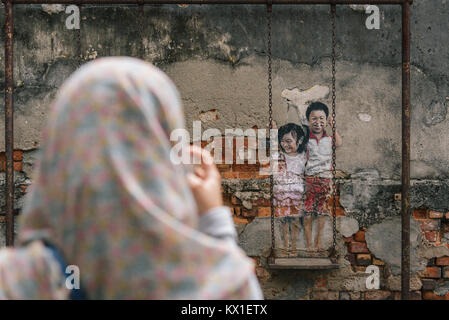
<point x="405" y="261"/>
<point x="9" y="112"/>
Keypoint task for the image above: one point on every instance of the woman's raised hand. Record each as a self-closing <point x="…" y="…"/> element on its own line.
<point x="205" y="181"/>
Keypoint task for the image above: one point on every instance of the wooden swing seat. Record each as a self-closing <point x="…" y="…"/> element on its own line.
<point x="303" y="263"/>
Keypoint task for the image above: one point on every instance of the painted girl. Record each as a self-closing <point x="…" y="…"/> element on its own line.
<point x="288" y="186"/>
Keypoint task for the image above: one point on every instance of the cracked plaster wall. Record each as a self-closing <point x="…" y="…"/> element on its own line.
<point x="216" y="55"/>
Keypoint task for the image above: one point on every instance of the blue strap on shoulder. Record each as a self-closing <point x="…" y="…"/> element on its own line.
<point x="75" y="294"/>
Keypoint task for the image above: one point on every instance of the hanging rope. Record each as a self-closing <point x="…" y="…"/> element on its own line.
<point x="270" y="112"/>
<point x="80" y="56"/>
<point x="140" y="24"/>
<point x="333" y="252"/>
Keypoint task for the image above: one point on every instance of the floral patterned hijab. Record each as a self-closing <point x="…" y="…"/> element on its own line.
<point x="106" y="194"/>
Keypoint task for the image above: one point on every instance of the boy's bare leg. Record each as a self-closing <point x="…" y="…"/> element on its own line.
<point x="295" y="231"/>
<point x="321" y="221"/>
<point x="308" y="232"/>
<point x="286" y="235"/>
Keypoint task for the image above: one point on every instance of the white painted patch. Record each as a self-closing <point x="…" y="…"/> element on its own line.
<point x="52" y="8"/>
<point x="358" y="7"/>
<point x="365" y="117"/>
<point x="300" y="99"/>
<point x="208" y="116"/>
<point x="347" y="226"/>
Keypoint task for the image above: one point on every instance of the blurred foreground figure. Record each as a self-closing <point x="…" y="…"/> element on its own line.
<point x="107" y="199"/>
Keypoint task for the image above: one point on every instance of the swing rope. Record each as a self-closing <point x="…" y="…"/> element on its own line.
<point x="270" y="112"/>
<point x="333" y="251"/>
<point x="80" y="52"/>
<point x="141" y="47"/>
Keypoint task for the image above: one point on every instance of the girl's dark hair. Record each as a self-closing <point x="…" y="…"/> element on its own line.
<point x="317" y="106"/>
<point x="298" y="132"/>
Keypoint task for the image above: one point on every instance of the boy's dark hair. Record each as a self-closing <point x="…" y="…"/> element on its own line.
<point x="298" y="132"/>
<point x="317" y="106"/>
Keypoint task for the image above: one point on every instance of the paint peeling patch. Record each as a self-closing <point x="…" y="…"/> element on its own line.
<point x="52" y="8"/>
<point x="359" y="7"/>
<point x="435" y="113"/>
<point x="208" y="116"/>
<point x="365" y="117"/>
<point x="384" y="242"/>
<point x="222" y="44"/>
<point x="91" y="54"/>
<point x="347" y="226"/>
<point x="299" y="100"/>
<point x="442" y="288"/>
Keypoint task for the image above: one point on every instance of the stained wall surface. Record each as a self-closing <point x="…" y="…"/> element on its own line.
<point x="217" y="57"/>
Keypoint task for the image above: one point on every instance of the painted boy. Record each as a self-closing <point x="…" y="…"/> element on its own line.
<point x="318" y="172"/>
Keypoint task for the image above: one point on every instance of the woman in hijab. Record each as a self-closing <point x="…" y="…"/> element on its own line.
<point x="107" y="199"/>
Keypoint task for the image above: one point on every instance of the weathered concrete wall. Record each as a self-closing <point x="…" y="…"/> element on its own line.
<point x="216" y="55"/>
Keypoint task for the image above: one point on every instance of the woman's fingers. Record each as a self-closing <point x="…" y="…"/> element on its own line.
<point x="207" y="166"/>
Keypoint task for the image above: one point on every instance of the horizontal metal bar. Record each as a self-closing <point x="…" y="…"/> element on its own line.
<point x="274" y="2"/>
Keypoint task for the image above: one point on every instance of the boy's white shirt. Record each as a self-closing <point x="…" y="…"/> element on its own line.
<point x="319" y="157"/>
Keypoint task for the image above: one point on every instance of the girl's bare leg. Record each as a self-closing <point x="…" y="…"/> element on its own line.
<point x="285" y="234"/>
<point x="295" y="231"/>
<point x="308" y="231"/>
<point x="321" y="221"/>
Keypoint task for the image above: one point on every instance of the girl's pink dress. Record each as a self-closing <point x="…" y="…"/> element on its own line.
<point x="288" y="188"/>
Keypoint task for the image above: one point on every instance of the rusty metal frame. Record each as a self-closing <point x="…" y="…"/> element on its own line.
<point x="9" y="109"/>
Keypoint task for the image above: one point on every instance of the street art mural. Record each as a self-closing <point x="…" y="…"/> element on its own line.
<point x="302" y="176"/>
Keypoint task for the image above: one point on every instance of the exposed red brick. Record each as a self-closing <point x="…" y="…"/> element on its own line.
<point x="378" y="262"/>
<point x="17" y="155"/>
<point x="432" y="272"/>
<point x="239" y="220"/>
<point x="325" y="295"/>
<point x="249" y="175"/>
<point x="263" y="211"/>
<point x="363" y="259"/>
<point x="360" y="269"/>
<point x="431" y="236"/>
<point x="360" y="236"/>
<point x="230" y="175"/>
<point x="435" y="215"/>
<point x="235" y="200"/>
<point x="17" y="166"/>
<point x="224" y="167"/>
<point x="262" y="274"/>
<point x="442" y="261"/>
<point x="428" y="284"/>
<point x="429" y="224"/>
<point x="227" y="199"/>
<point x="396" y="295"/>
<point x="377" y="295"/>
<point x="445" y="272"/>
<point x="430" y="295"/>
<point x="339" y="212"/>
<point x="261" y="202"/>
<point x="249" y="213"/>
<point x="320" y="283"/>
<point x="358" y="247"/>
<point x="347" y="239"/>
<point x="420" y="214"/>
<point x="415" y="295"/>
<point x="351" y="258"/>
<point x="237" y="211"/>
<point x="245" y="167"/>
